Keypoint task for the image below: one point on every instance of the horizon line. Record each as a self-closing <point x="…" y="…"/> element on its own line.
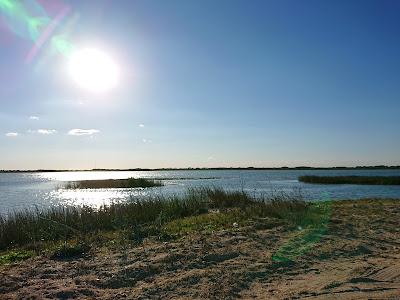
<point x="202" y="168"/>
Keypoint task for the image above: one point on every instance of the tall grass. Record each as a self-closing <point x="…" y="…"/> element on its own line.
<point x="369" y="180"/>
<point x="113" y="183"/>
<point x="58" y="223"/>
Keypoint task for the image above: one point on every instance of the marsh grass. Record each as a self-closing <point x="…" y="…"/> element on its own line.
<point x="70" y="250"/>
<point x="144" y="217"/>
<point x="113" y="183"/>
<point x="368" y="180"/>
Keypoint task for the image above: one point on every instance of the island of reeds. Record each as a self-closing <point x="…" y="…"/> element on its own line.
<point x="113" y="183"/>
<point x="367" y="180"/>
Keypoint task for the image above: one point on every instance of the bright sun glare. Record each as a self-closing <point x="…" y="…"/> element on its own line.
<point x="93" y="70"/>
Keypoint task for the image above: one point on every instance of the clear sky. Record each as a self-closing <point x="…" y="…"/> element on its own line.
<point x="202" y="84"/>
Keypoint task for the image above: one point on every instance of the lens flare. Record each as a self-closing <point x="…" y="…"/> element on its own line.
<point x="304" y="239"/>
<point x="29" y="20"/>
<point x="26" y="19"/>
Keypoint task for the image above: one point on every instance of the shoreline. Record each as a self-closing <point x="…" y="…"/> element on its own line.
<point x="301" y="168"/>
<point x="355" y="255"/>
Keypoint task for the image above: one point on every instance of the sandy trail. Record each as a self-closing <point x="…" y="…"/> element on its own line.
<point x="358" y="257"/>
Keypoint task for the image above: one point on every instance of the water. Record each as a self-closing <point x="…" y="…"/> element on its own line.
<point x="26" y="190"/>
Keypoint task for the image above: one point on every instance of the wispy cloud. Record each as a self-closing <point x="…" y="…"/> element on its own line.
<point x="141" y="125"/>
<point x="42" y="131"/>
<point x="46" y="131"/>
<point x="80" y="132"/>
<point x="35" y="118"/>
<point x="12" y="134"/>
<point x="146" y="141"/>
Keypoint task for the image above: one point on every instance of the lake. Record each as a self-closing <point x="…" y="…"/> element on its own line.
<point x="28" y="190"/>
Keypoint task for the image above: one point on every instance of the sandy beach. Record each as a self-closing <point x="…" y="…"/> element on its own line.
<point x="356" y="257"/>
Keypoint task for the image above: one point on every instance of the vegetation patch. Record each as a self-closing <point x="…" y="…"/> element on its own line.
<point x="15" y="256"/>
<point x="70" y="250"/>
<point x="207" y="222"/>
<point x="368" y="180"/>
<point x="113" y="183"/>
<point x="143" y="217"/>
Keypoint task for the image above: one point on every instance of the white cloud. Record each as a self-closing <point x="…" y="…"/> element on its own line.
<point x="12" y="134"/>
<point x="141" y="125"/>
<point x="34" y="118"/>
<point x="42" y="131"/>
<point x="80" y="132"/>
<point x="46" y="131"/>
<point x="146" y="141"/>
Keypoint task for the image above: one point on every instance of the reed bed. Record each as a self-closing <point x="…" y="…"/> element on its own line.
<point x="367" y="180"/>
<point x="113" y="183"/>
<point x="61" y="223"/>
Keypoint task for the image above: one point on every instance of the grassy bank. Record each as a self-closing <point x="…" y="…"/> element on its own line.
<point x="346" y="249"/>
<point x="368" y="180"/>
<point x="140" y="218"/>
<point x="113" y="183"/>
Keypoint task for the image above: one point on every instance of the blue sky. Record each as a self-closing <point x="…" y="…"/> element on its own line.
<point x="207" y="84"/>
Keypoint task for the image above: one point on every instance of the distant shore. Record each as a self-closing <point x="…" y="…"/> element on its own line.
<point x="379" y="167"/>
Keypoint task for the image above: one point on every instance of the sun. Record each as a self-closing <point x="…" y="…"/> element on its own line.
<point x="93" y="70"/>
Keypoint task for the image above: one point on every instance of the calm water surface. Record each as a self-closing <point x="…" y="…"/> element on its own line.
<point x="26" y="190"/>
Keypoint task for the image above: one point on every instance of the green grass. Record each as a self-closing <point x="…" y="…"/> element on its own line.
<point x="369" y="180"/>
<point x="144" y="217"/>
<point x="207" y="222"/>
<point x="15" y="256"/>
<point x="113" y="183"/>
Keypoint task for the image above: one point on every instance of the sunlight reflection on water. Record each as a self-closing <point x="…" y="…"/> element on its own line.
<point x="99" y="197"/>
<point x="26" y="190"/>
<point x="88" y="197"/>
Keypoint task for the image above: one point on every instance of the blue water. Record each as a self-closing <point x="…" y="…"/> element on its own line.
<point x="26" y="190"/>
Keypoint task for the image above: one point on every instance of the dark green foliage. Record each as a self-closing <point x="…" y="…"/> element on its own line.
<point x="369" y="180"/>
<point x="31" y="227"/>
<point x="113" y="183"/>
<point x="67" y="251"/>
<point x="220" y="199"/>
